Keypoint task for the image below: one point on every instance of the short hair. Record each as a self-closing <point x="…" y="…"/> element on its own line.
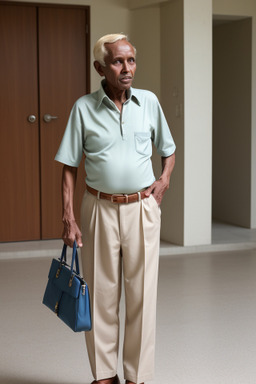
<point x="100" y="51"/>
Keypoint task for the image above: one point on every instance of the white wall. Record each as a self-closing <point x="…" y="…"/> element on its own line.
<point x="245" y="8"/>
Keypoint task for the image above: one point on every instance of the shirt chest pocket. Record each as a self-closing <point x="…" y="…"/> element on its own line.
<point x="143" y="143"/>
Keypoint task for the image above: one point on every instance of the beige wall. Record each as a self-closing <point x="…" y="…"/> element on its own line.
<point x="232" y="122"/>
<point x="111" y="16"/>
<point x="135" y="4"/>
<point x="186" y="97"/>
<point x="246" y="8"/>
<point x="197" y="121"/>
<point x="145" y="34"/>
<point x="172" y="97"/>
<point x="186" y="57"/>
<point x="234" y="7"/>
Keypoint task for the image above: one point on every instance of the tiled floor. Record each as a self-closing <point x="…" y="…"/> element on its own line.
<point x="206" y="331"/>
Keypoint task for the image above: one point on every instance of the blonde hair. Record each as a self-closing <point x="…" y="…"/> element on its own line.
<point x="100" y="51"/>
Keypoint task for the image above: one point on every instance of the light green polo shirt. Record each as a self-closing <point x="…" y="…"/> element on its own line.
<point x="117" y="146"/>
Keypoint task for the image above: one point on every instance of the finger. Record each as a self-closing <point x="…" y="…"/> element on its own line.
<point x="70" y="242"/>
<point x="67" y="242"/>
<point x="157" y="198"/>
<point x="79" y="240"/>
<point x="149" y="190"/>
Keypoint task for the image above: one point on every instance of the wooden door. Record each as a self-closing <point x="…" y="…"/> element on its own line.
<point x="19" y="139"/>
<point x="62" y="78"/>
<point x="44" y="50"/>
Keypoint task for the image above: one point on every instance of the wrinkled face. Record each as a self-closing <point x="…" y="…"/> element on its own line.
<point x="120" y="65"/>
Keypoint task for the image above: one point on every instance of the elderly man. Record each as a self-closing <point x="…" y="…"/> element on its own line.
<point x="120" y="214"/>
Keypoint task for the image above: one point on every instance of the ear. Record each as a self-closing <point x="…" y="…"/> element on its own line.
<point x="99" y="68"/>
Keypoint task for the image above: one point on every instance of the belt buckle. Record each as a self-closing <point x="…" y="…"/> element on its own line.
<point x="119" y="195"/>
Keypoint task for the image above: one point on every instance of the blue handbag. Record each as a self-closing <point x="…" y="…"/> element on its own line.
<point x="67" y="293"/>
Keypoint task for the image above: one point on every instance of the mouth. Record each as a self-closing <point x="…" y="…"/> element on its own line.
<point x="125" y="79"/>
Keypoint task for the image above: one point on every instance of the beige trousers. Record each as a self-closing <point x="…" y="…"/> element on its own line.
<point x="121" y="238"/>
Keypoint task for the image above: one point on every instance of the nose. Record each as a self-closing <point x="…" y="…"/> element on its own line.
<point x="126" y="67"/>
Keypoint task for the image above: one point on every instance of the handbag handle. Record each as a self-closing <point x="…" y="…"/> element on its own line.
<point x="74" y="257"/>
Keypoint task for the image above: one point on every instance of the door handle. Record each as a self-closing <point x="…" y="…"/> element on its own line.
<point x="31" y="118"/>
<point x="48" y="118"/>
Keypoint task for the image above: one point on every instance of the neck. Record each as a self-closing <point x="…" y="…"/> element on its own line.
<point x="117" y="96"/>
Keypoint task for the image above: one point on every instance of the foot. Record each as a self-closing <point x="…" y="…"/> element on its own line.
<point x="111" y="380"/>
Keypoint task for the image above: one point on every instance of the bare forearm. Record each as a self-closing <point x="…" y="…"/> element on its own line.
<point x="71" y="232"/>
<point x="167" y="168"/>
<point x="68" y="189"/>
<point x="159" y="187"/>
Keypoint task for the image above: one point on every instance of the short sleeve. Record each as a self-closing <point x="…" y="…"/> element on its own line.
<point x="71" y="148"/>
<point x="162" y="137"/>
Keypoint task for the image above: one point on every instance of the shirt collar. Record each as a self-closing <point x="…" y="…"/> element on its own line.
<point x="103" y="96"/>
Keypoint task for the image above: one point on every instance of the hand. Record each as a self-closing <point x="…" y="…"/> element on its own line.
<point x="71" y="232"/>
<point x="158" y="189"/>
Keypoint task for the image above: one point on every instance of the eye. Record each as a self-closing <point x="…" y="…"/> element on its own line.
<point x="117" y="61"/>
<point x="131" y="60"/>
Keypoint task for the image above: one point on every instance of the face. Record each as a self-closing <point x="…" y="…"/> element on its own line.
<point x="120" y="65"/>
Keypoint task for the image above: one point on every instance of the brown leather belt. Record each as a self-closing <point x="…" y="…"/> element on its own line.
<point x="118" y="198"/>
